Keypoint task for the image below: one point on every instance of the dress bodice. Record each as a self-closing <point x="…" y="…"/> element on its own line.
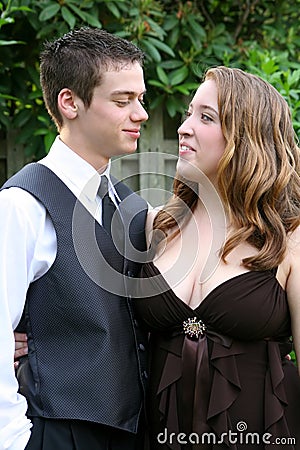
<point x="205" y="383"/>
<point x="250" y="306"/>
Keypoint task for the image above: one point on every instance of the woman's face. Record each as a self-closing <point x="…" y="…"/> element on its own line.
<point x="201" y="141"/>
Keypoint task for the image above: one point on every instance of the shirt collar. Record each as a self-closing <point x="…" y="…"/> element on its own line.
<point x="79" y="176"/>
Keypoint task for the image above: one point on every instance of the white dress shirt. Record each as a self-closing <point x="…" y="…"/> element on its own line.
<point x="28" y="249"/>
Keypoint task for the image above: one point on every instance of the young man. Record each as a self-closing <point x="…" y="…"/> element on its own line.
<point x="62" y="279"/>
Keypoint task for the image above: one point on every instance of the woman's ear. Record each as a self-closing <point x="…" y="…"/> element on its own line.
<point x="67" y="105"/>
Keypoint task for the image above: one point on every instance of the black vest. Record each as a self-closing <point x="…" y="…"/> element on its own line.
<point x="87" y="357"/>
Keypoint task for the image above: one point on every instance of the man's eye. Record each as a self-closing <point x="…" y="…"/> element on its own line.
<point x="122" y="102"/>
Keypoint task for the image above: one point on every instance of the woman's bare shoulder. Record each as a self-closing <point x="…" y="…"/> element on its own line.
<point x="293" y="244"/>
<point x="152" y="212"/>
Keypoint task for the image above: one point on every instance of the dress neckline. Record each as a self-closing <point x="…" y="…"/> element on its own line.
<point x="271" y="272"/>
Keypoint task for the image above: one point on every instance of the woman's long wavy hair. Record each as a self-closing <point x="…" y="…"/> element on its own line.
<point x="258" y="174"/>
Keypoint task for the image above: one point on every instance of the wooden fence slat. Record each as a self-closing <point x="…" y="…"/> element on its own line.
<point x="149" y="172"/>
<point x="15" y="154"/>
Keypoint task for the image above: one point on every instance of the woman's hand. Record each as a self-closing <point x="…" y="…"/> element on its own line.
<point x="21" y="348"/>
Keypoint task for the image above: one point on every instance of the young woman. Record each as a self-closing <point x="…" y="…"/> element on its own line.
<point x="221" y="297"/>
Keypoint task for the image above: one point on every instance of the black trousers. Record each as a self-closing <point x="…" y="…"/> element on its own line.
<point x="57" y="434"/>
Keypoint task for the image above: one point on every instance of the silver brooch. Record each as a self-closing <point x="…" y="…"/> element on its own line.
<point x="193" y="327"/>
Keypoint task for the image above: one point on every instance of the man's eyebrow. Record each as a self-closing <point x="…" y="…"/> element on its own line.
<point x="127" y="93"/>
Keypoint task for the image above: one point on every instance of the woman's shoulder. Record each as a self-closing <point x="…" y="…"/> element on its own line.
<point x="293" y="243"/>
<point x="291" y="262"/>
<point x="152" y="213"/>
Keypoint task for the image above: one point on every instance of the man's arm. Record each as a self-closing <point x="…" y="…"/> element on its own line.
<point x="23" y="221"/>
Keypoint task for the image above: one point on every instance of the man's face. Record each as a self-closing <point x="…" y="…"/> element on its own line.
<point x="111" y="125"/>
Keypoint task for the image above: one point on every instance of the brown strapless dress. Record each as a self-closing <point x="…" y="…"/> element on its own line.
<point x="230" y="387"/>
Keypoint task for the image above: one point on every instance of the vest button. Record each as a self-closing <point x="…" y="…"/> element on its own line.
<point x="141" y="347"/>
<point x="145" y="374"/>
<point x="130" y="274"/>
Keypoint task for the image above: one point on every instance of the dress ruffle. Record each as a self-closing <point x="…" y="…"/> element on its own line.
<point x="212" y="393"/>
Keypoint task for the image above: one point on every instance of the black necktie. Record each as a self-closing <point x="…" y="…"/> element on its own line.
<point x="108" y="206"/>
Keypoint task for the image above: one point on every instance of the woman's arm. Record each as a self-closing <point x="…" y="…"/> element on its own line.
<point x="21" y="348"/>
<point x="293" y="290"/>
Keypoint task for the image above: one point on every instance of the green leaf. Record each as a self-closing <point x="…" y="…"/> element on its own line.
<point x="34" y="95"/>
<point x="49" y="11"/>
<point x="48" y="140"/>
<point x="162" y="76"/>
<point x="179" y="75"/>
<point x="218" y="30"/>
<point x="44" y="119"/>
<point x="22" y="118"/>
<point x="170" y="23"/>
<point x="6" y="21"/>
<point x="186" y="88"/>
<point x="4" y="119"/>
<point x="294" y="77"/>
<point x="156" y="83"/>
<point x="26" y="133"/>
<point x="174" y="106"/>
<point x="77" y="11"/>
<point x="86" y="17"/>
<point x="155" y="28"/>
<point x="41" y="132"/>
<point x="151" y="51"/>
<point x="91" y="20"/>
<point x="113" y="9"/>
<point x="134" y="12"/>
<point x="171" y="64"/>
<point x="68" y="17"/>
<point x="157" y="101"/>
<point x="162" y="46"/>
<point x="20" y="8"/>
<point x="269" y="66"/>
<point x="8" y="97"/>
<point x="171" y="107"/>
<point x="2" y="43"/>
<point x="196" y="28"/>
<point x="174" y="37"/>
<point x="35" y="77"/>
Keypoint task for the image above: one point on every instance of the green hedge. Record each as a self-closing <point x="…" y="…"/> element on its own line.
<point x="180" y="38"/>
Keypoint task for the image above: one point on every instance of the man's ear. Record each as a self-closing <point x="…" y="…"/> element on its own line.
<point x="67" y="105"/>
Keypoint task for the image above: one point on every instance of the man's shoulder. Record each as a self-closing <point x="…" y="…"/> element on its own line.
<point x="27" y="175"/>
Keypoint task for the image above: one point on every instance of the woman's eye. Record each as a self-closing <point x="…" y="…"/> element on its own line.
<point x="206" y="118"/>
<point x="185" y="115"/>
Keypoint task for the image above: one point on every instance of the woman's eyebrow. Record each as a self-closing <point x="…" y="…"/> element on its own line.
<point x="209" y="108"/>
